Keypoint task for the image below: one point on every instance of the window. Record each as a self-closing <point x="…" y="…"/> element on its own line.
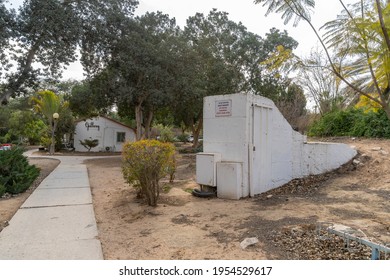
<point x="120" y="137"/>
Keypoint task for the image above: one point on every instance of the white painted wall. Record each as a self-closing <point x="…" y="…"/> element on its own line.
<point x="103" y="129"/>
<point x="270" y="152"/>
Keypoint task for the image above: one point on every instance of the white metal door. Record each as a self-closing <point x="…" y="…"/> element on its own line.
<point x="261" y="149"/>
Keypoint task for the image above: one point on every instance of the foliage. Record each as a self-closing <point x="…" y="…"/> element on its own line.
<point x="16" y="174"/>
<point x="219" y="56"/>
<point x="43" y="37"/>
<point x="352" y="122"/>
<point x="183" y="137"/>
<point x="65" y="125"/>
<point x="154" y="68"/>
<point x="2" y="190"/>
<point x="321" y="85"/>
<point x="367" y="104"/>
<point x="24" y="124"/>
<point x="89" y="143"/>
<point x="291" y="102"/>
<point x="145" y="163"/>
<point x="166" y="133"/>
<point x="45" y="141"/>
<point x="82" y="101"/>
<point x="372" y="124"/>
<point x="337" y="123"/>
<point x="137" y="67"/>
<point x="47" y="103"/>
<point x="360" y="39"/>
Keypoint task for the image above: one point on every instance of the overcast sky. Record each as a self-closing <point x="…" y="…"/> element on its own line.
<point x="252" y="16"/>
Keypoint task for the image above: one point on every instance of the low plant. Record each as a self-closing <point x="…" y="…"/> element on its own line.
<point x="183" y="137"/>
<point x="144" y="163"/>
<point x="16" y="174"/>
<point x="352" y="122"/>
<point x="166" y="133"/>
<point x="2" y="190"/>
<point x="89" y="143"/>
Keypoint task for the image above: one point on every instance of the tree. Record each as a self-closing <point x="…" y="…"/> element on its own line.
<point x="48" y="104"/>
<point x="25" y="125"/>
<point x="137" y="73"/>
<point x="218" y="56"/>
<point x="360" y="39"/>
<point x="321" y="85"/>
<point x="82" y="102"/>
<point x="47" y="33"/>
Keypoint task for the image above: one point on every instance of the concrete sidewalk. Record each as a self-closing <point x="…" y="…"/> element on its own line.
<point x="57" y="221"/>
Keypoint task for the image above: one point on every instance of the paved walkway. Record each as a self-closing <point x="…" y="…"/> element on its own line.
<point x="57" y="221"/>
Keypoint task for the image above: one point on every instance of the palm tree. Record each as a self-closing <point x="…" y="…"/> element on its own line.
<point x="48" y="104"/>
<point x="360" y="39"/>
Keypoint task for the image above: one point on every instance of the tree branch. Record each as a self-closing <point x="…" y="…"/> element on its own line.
<point x="14" y="86"/>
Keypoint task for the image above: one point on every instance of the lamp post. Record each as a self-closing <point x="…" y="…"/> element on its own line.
<point x="53" y="129"/>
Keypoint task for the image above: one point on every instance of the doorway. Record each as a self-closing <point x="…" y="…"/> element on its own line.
<point x="261" y="154"/>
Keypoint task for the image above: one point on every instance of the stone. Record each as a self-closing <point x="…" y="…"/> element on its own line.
<point x="269" y="196"/>
<point x="248" y="242"/>
<point x="384" y="153"/>
<point x="376" y="149"/>
<point x="356" y="162"/>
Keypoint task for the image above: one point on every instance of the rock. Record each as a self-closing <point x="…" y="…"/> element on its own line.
<point x="248" y="242"/>
<point x="376" y="149"/>
<point x="356" y="162"/>
<point x="269" y="196"/>
<point x="384" y="153"/>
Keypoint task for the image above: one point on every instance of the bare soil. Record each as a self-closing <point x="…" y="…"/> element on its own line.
<point x="288" y="221"/>
<point x="10" y="204"/>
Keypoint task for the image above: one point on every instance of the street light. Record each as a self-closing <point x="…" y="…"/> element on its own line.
<point x="53" y="129"/>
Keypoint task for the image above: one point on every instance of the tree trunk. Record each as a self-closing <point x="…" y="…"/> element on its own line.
<point x="382" y="23"/>
<point x="147" y="124"/>
<point x="138" y="120"/>
<point x="26" y="69"/>
<point x="386" y="108"/>
<point x="196" y="128"/>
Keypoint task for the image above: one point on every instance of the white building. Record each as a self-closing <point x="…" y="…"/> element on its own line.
<point x="110" y="134"/>
<point x="250" y="148"/>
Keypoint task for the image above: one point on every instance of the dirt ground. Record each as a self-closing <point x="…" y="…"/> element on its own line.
<point x="287" y="221"/>
<point x="10" y="204"/>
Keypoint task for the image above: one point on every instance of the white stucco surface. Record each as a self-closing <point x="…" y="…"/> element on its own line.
<point x="105" y="131"/>
<point x="250" y="131"/>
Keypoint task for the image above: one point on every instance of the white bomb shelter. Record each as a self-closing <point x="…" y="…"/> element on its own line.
<point x="250" y="148"/>
<point x="110" y="134"/>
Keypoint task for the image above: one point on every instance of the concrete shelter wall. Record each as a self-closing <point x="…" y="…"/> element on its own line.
<point x="228" y="131"/>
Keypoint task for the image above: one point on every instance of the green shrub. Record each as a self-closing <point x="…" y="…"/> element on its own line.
<point x="89" y="143"/>
<point x="144" y="163"/>
<point x="2" y="190"/>
<point x="166" y="133"/>
<point x="183" y="137"/>
<point x="336" y="123"/>
<point x="372" y="124"/>
<point x="352" y="122"/>
<point x="16" y="174"/>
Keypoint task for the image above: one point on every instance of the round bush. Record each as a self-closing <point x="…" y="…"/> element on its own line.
<point x="16" y="174"/>
<point x="144" y="163"/>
